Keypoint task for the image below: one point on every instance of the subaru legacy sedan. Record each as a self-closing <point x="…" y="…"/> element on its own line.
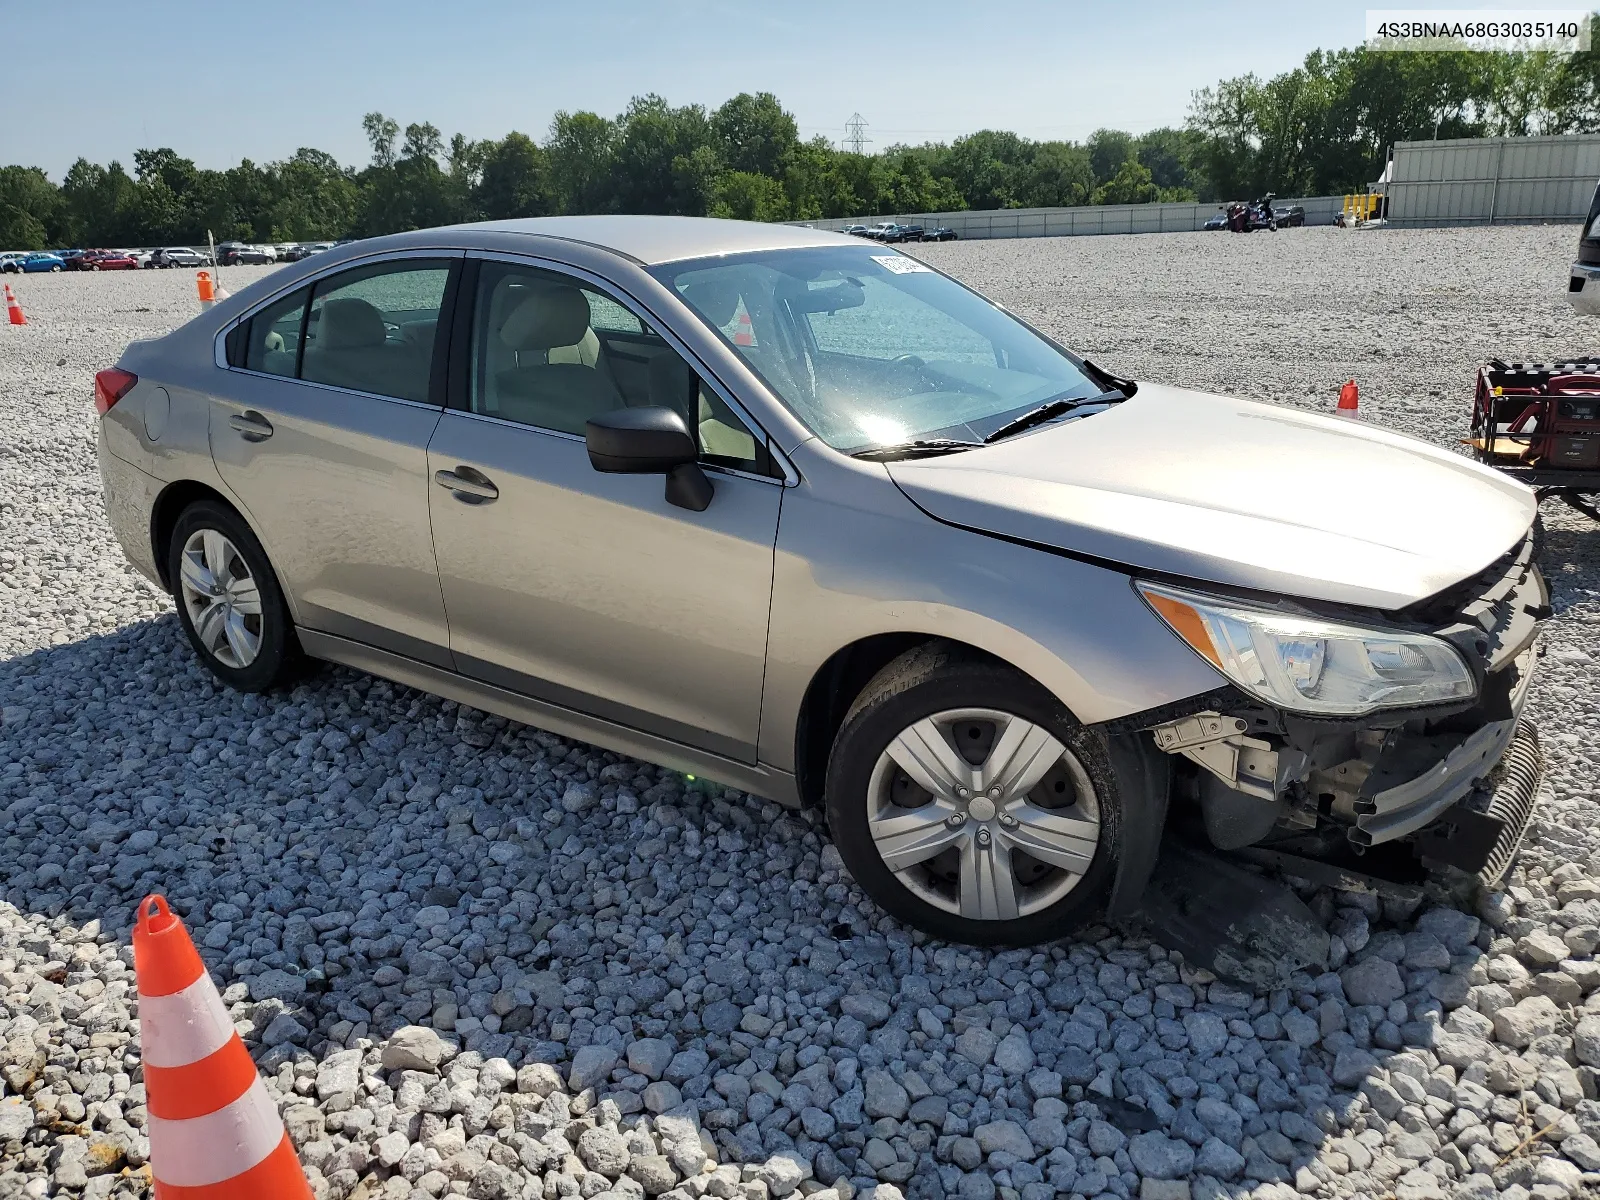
<point x="799" y="513"/>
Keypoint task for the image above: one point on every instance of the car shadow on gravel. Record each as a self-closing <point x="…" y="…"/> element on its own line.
<point x="354" y="857"/>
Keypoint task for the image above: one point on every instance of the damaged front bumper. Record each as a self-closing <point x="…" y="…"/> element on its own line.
<point x="1459" y="786"/>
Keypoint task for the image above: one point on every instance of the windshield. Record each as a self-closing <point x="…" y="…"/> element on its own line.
<point x="873" y="348"/>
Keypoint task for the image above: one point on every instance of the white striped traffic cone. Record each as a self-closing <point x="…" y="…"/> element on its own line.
<point x="215" y="1133"/>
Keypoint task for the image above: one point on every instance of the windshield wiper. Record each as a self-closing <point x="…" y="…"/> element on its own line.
<point x="1049" y="411"/>
<point x="1126" y="386"/>
<point x="918" y="448"/>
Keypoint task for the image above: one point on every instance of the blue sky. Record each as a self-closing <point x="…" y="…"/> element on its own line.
<point x="221" y="81"/>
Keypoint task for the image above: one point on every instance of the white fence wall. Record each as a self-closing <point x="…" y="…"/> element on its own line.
<point x="1079" y="222"/>
<point x="1487" y="181"/>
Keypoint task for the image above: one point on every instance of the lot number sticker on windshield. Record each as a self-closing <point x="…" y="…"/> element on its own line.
<point x="900" y="264"/>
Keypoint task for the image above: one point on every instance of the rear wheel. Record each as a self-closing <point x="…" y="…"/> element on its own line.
<point x="229" y="601"/>
<point x="968" y="802"/>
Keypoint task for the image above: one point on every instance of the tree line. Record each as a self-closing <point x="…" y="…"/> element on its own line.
<point x="1324" y="127"/>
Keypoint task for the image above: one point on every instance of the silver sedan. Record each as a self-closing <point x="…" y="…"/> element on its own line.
<point x="804" y="515"/>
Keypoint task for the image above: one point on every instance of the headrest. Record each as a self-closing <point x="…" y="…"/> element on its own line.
<point x="715" y="299"/>
<point x="557" y="315"/>
<point x="350" y="322"/>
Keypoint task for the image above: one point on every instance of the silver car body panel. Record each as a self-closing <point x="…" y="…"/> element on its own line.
<point x="590" y="590"/>
<point x="674" y="611"/>
<point x="1585" y="298"/>
<point x="1228" y="491"/>
<point x="761" y="780"/>
<point x="340" y="490"/>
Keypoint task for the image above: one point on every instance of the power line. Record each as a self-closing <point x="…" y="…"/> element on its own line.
<point x="853" y="138"/>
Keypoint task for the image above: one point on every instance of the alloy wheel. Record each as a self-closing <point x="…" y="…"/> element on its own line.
<point x="222" y="598"/>
<point x="983" y="814"/>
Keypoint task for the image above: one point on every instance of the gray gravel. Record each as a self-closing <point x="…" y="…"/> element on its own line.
<point x="473" y="958"/>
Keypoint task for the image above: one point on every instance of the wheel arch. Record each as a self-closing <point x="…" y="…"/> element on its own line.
<point x="169" y="505"/>
<point x="1143" y="772"/>
<point x="834" y="687"/>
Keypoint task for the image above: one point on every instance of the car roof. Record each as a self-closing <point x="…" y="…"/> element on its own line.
<point x="651" y="239"/>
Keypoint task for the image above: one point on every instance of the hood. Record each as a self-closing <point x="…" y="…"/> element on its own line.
<point x="1232" y="492"/>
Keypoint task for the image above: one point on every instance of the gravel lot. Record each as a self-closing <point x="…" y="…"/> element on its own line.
<point x="611" y="981"/>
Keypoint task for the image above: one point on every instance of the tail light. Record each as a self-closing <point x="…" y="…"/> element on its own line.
<point x="111" y="385"/>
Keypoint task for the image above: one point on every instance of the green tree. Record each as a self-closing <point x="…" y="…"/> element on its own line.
<point x="984" y="167"/>
<point x="20" y="229"/>
<point x="1059" y="175"/>
<point x="29" y="191"/>
<point x="581" y="153"/>
<point x="656" y="169"/>
<point x="514" y="179"/>
<point x="423" y="141"/>
<point x="746" y="196"/>
<point x="1130" y="185"/>
<point x="754" y="134"/>
<point x="381" y="133"/>
<point x="1108" y="150"/>
<point x="316" y="197"/>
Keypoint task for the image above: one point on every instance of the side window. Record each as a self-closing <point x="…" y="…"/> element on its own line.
<point x="551" y="352"/>
<point x="273" y="345"/>
<point x="373" y="329"/>
<point x="607" y="316"/>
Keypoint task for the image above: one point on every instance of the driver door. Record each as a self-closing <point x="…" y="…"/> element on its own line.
<point x="584" y="589"/>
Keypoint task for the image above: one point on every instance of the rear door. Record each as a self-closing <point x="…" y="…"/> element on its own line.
<point x="322" y="436"/>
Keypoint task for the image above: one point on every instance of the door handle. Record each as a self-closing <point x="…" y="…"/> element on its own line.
<point x="467" y="485"/>
<point x="250" y="425"/>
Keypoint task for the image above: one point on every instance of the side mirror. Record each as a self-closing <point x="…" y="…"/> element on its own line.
<point x="650" y="441"/>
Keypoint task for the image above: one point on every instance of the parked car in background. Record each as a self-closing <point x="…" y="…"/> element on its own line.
<point x="144" y="259"/>
<point x="11" y="262"/>
<point x="43" y="261"/>
<point x="1289" y="215"/>
<point x="108" y="260"/>
<point x="180" y="256"/>
<point x="282" y="250"/>
<point x="884" y="231"/>
<point x="940" y="233"/>
<point x="992" y="607"/>
<point x="255" y="254"/>
<point x="911" y="233"/>
<point x="228" y="253"/>
<point x="72" y="260"/>
<point x="1219" y="220"/>
<point x="855" y="230"/>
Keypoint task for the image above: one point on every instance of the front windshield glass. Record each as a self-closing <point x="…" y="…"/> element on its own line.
<point x="873" y="348"/>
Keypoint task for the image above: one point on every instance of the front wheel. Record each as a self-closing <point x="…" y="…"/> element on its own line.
<point x="229" y="601"/>
<point x="967" y="801"/>
<point x="54" y="269"/>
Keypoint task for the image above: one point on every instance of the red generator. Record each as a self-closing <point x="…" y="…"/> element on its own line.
<point x="1540" y="423"/>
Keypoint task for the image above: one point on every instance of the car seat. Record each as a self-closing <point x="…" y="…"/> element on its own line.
<point x="549" y="383"/>
<point x="352" y="349"/>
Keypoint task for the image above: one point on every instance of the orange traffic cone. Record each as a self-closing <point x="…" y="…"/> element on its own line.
<point x="207" y="289"/>
<point x="1349" y="400"/>
<point x="215" y="1133"/>
<point x="13" y="309"/>
<point x="745" y="337"/>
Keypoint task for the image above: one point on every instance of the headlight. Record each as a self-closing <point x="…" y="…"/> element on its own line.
<point x="1308" y="665"/>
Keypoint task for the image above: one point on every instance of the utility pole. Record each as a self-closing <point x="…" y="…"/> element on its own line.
<point x="854" y="138"/>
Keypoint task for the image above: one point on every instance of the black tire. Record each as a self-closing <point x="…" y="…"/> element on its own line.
<point x="936" y="678"/>
<point x="279" y="658"/>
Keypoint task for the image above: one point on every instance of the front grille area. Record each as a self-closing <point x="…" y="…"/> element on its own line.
<point x="1496" y="612"/>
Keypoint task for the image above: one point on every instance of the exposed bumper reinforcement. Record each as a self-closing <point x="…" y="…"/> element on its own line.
<point x="1406" y="807"/>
